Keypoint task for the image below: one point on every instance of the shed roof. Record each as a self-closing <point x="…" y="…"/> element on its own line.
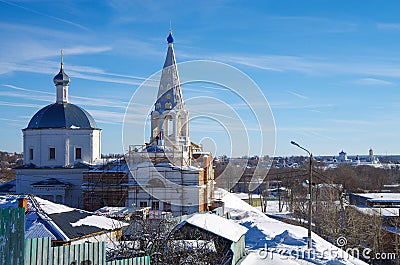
<point x="218" y="225"/>
<point x="59" y="222"/>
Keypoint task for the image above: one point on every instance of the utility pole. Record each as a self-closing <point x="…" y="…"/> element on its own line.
<point x="309" y="195"/>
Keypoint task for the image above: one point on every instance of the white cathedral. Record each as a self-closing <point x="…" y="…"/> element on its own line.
<point x="62" y="147"/>
<point x="60" y="142"/>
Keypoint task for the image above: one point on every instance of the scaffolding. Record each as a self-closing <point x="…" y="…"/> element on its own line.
<point x="107" y="186"/>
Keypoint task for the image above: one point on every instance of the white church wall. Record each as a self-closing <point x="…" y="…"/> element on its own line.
<point x="65" y="142"/>
<point x="73" y="195"/>
<point x="181" y="190"/>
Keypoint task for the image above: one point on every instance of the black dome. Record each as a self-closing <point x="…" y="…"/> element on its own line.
<point x="64" y="115"/>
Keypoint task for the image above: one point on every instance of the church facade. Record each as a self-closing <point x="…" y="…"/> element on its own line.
<point x="60" y="142"/>
<point x="170" y="173"/>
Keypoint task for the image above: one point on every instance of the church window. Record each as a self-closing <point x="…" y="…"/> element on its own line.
<point x="167" y="206"/>
<point x="168" y="96"/>
<point x="155" y="205"/>
<point x="78" y="153"/>
<point x="59" y="199"/>
<point x="30" y="153"/>
<point x="52" y="153"/>
<point x="168" y="87"/>
<point x="143" y="204"/>
<point x="48" y="197"/>
<point x="169" y="70"/>
<point x="170" y="127"/>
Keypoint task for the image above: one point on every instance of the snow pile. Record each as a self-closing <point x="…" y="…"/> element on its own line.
<point x="51" y="208"/>
<point x="273" y="242"/>
<point x="100" y="222"/>
<point x="218" y="225"/>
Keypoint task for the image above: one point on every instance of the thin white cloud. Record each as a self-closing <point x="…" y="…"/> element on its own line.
<point x="69" y="22"/>
<point x="86" y="49"/>
<point x="353" y="122"/>
<point x="388" y="26"/>
<point x="27" y="90"/>
<point x="30" y="97"/>
<point x="372" y="81"/>
<point x="87" y="101"/>
<point x="309" y="65"/>
<point x="298" y="95"/>
<point x="17" y="104"/>
<point x="82" y="72"/>
<point x="289" y="105"/>
<point x="104" y="116"/>
<point x="12" y="120"/>
<point x="29" y="57"/>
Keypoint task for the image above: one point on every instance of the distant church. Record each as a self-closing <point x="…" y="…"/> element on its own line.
<point x="60" y="142"/>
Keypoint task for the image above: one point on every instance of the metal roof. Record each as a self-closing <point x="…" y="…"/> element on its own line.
<point x="60" y="222"/>
<point x="64" y="115"/>
<point x="51" y="182"/>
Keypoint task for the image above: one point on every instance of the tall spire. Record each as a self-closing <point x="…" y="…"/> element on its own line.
<point x="62" y="80"/>
<point x="170" y="119"/>
<point x="170" y="91"/>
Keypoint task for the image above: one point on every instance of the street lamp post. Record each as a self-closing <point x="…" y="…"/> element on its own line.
<point x="309" y="196"/>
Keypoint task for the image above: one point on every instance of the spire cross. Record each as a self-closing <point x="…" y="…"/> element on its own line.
<point x="62" y="58"/>
<point x="170" y="26"/>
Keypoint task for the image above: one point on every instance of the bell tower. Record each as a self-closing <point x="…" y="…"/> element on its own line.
<point x="170" y="119"/>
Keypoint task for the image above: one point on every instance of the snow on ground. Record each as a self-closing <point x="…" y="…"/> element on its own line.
<point x="270" y="241"/>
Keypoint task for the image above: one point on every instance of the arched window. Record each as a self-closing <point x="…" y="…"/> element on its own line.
<point x="168" y="125"/>
<point x="179" y="125"/>
<point x="154" y="123"/>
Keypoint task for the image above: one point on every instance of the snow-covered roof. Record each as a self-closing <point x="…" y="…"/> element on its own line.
<point x="59" y="222"/>
<point x="218" y="225"/>
<point x="380" y="197"/>
<point x="279" y="237"/>
<point x="385" y="212"/>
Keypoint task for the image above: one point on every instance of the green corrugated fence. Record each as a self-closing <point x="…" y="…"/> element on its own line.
<point x="12" y="236"/>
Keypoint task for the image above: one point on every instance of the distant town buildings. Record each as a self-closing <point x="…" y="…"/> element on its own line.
<point x="370" y="160"/>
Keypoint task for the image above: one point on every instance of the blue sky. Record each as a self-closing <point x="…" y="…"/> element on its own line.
<point x="330" y="70"/>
